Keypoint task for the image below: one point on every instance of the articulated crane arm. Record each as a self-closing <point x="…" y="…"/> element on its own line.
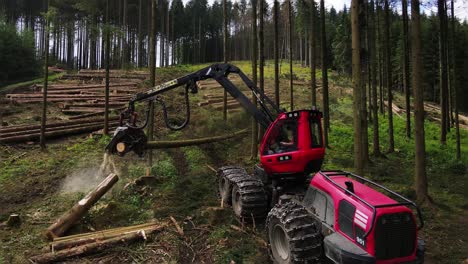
<point x="130" y="137"/>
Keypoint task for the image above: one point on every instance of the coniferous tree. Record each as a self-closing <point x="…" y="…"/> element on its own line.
<point x="443" y="71"/>
<point x="290" y="47"/>
<point x="326" y="109"/>
<point x="276" y="50"/>
<point x="152" y="62"/>
<point x="454" y="85"/>
<point x="46" y="77"/>
<point x="418" y="95"/>
<point x="313" y="59"/>
<point x="406" y="77"/>
<point x="254" y="76"/>
<point x="357" y="86"/>
<point x="373" y="63"/>
<point x="225" y="53"/>
<point x="389" y="82"/>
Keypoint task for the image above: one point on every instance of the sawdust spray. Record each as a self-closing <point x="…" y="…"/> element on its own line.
<point x="88" y="177"/>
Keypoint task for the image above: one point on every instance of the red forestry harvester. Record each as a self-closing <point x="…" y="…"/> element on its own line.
<point x="331" y="216"/>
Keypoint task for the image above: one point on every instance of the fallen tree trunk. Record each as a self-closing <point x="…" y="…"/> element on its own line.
<point x="192" y="142"/>
<point x="69" y="218"/>
<point x="90" y="248"/>
<point x="103" y="235"/>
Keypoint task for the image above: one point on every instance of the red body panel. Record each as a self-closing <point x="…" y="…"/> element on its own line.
<point x="296" y="160"/>
<point x="371" y="196"/>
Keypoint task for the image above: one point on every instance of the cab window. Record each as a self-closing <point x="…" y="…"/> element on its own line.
<point x="316" y="136"/>
<point x="322" y="204"/>
<point x="282" y="138"/>
<point x="345" y="217"/>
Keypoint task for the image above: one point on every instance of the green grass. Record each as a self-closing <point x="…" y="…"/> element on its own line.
<point x="8" y="88"/>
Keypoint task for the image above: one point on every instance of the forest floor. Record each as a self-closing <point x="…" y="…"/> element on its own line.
<point x="34" y="183"/>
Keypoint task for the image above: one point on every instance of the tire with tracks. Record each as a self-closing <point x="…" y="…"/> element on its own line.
<point x="244" y="192"/>
<point x="293" y="234"/>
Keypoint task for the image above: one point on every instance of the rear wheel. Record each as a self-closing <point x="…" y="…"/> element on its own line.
<point x="293" y="235"/>
<point x="225" y="176"/>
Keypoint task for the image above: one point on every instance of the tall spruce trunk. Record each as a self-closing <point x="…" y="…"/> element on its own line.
<point x="357" y="86"/>
<point x="254" y="149"/>
<point x="313" y="59"/>
<point x="443" y="71"/>
<point x="276" y="50"/>
<point x="225" y="53"/>
<point x="152" y="63"/>
<point x="454" y="85"/>
<point x="326" y="108"/>
<point x="107" y="61"/>
<point x="406" y="76"/>
<point x="290" y="44"/>
<point x="140" y="34"/>
<point x="46" y="77"/>
<point x="166" y="54"/>
<point x="388" y="62"/>
<point x="364" y="121"/>
<point x="418" y="97"/>
<point x="373" y="62"/>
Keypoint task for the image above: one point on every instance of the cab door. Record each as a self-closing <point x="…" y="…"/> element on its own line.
<point x="280" y="145"/>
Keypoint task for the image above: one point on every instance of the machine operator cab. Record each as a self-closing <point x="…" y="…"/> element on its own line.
<point x="293" y="143"/>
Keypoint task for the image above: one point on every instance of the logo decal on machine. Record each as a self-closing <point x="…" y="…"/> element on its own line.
<point x="360" y="219"/>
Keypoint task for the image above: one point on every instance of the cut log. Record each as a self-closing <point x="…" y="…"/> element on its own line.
<point x="71" y="217"/>
<point x="192" y="142"/>
<point x="77" y="240"/>
<point x="90" y="248"/>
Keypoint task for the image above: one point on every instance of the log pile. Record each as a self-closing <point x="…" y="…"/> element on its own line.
<point x="78" y="99"/>
<point x="433" y="113"/>
<point x="213" y="95"/>
<point x="24" y="133"/>
<point x="115" y="75"/>
<point x="82" y="97"/>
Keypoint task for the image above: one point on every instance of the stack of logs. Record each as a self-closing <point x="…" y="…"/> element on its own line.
<point x="25" y="133"/>
<point x="213" y="95"/>
<point x="76" y="99"/>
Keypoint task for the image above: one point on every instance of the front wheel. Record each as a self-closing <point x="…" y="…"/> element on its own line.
<point x="293" y="235"/>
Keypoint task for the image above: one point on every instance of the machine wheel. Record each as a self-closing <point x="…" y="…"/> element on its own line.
<point x="248" y="197"/>
<point x="293" y="235"/>
<point x="225" y="177"/>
